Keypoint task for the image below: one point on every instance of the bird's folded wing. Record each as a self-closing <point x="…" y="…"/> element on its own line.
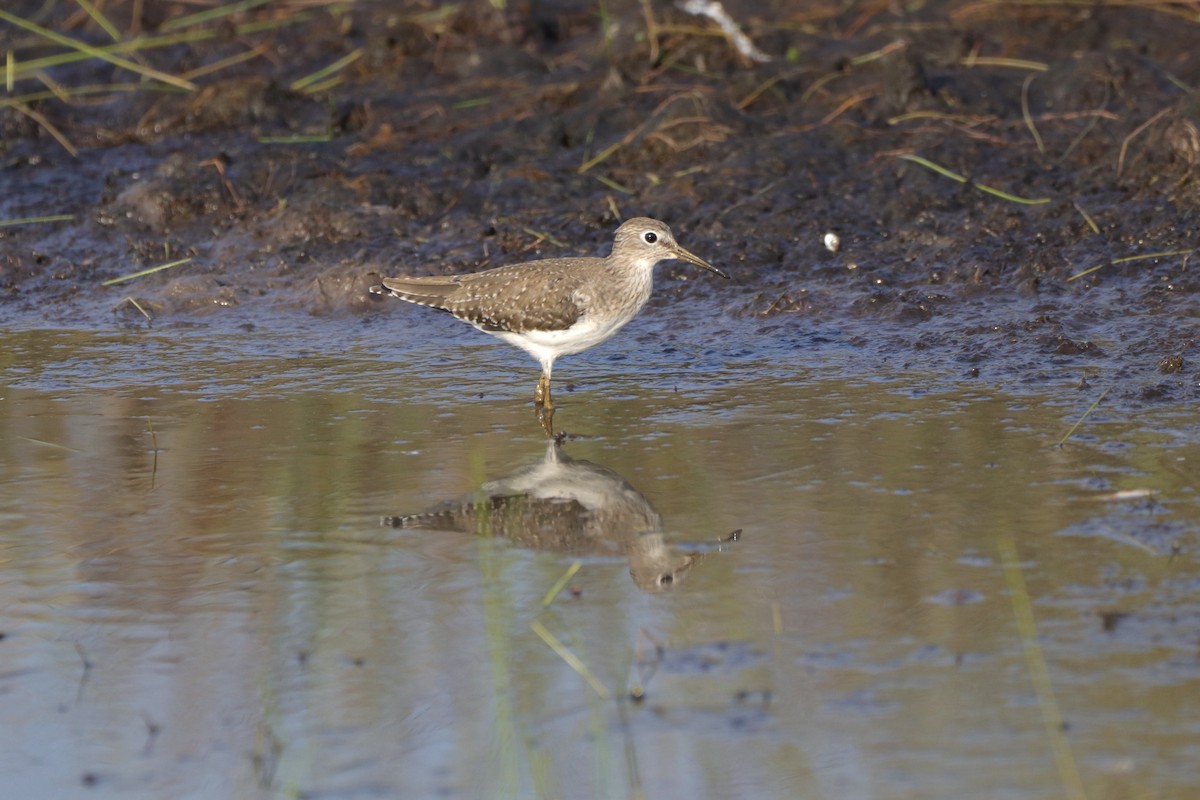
<point x="517" y="299"/>
<point x="532" y="299"/>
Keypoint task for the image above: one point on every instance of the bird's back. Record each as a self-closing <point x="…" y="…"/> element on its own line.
<point x="537" y="295"/>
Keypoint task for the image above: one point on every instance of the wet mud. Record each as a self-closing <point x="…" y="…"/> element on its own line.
<point x="1054" y="246"/>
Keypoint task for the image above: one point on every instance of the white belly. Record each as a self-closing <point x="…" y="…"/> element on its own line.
<point x="545" y="346"/>
<point x="591" y="329"/>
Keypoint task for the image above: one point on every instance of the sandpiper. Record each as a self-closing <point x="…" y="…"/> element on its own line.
<point x="555" y="306"/>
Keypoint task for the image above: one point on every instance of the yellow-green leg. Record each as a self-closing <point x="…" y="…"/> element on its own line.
<point x="543" y="404"/>
<point x="541" y="396"/>
<point x="545" y="415"/>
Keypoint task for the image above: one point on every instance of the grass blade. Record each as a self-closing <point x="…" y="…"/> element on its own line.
<point x="308" y="80"/>
<point x="572" y="660"/>
<point x="561" y="583"/>
<point x="95" y="52"/>
<point x="954" y="176"/>
<point x="148" y="271"/>
<point x="8" y="223"/>
<point x="1127" y="259"/>
<point x="1079" y="421"/>
<point x="1035" y="659"/>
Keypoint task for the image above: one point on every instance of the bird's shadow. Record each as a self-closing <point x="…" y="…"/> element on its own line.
<point x="578" y="508"/>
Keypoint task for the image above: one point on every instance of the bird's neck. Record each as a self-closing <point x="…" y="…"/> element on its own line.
<point x="634" y="284"/>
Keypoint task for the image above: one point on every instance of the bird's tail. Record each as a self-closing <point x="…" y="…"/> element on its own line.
<point x="428" y="291"/>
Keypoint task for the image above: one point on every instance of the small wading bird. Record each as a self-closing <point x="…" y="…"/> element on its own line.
<point x="555" y="306"/>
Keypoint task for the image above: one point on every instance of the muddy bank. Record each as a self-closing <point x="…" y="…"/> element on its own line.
<point x="458" y="137"/>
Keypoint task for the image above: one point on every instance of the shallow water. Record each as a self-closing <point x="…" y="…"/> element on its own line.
<point x="199" y="598"/>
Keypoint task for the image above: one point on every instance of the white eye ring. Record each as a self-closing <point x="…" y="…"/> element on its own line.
<point x="650" y="237"/>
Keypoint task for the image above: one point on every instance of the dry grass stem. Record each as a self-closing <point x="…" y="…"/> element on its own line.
<point x="95" y="52"/>
<point x="1037" y="137"/>
<point x="1079" y="421"/>
<point x="1136" y="132"/>
<point x="148" y="271"/>
<point x="48" y="127"/>
<point x="572" y="660"/>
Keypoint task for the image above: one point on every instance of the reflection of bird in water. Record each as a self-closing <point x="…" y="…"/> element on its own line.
<point x="574" y="507"/>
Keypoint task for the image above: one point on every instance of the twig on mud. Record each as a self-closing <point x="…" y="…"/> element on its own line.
<point x="962" y="119"/>
<point x="148" y="271"/>
<point x="612" y="206"/>
<point x="218" y="164"/>
<point x="710" y="133"/>
<point x="995" y="61"/>
<point x="637" y="131"/>
<point x="757" y="193"/>
<point x="1127" y="259"/>
<point x="1134" y="134"/>
<point x="1037" y="137"/>
<point x="610" y="183"/>
<point x="817" y="84"/>
<point x="541" y="236"/>
<point x="7" y="223"/>
<point x="875" y="55"/>
<point x="1094" y="113"/>
<point x="1079" y="421"/>
<point x="954" y="176"/>
<point x="651" y="30"/>
<point x="1100" y="109"/>
<point x="763" y="88"/>
<point x="820" y="82"/>
<point x="48" y="126"/>
<point x="847" y="104"/>
<point x="1086" y="218"/>
<point x="136" y="305"/>
<point x="225" y="63"/>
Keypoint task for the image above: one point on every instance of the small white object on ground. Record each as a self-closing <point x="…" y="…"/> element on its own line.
<point x="717" y="13"/>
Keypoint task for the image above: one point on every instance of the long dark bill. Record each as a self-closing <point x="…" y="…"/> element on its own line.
<point x="692" y="258"/>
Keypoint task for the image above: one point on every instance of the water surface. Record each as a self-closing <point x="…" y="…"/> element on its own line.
<point x="199" y="598"/>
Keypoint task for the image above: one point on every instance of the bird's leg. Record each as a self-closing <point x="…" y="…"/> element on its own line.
<point x="541" y="395"/>
<point x="545" y="415"/>
<point x="543" y="404"/>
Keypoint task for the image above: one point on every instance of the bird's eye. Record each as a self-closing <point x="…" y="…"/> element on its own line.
<point x="650" y="236"/>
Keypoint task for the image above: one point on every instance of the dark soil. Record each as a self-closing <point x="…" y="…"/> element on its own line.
<point x="461" y="137"/>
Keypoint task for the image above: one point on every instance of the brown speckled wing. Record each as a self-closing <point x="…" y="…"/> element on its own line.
<point x="539" y="295"/>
